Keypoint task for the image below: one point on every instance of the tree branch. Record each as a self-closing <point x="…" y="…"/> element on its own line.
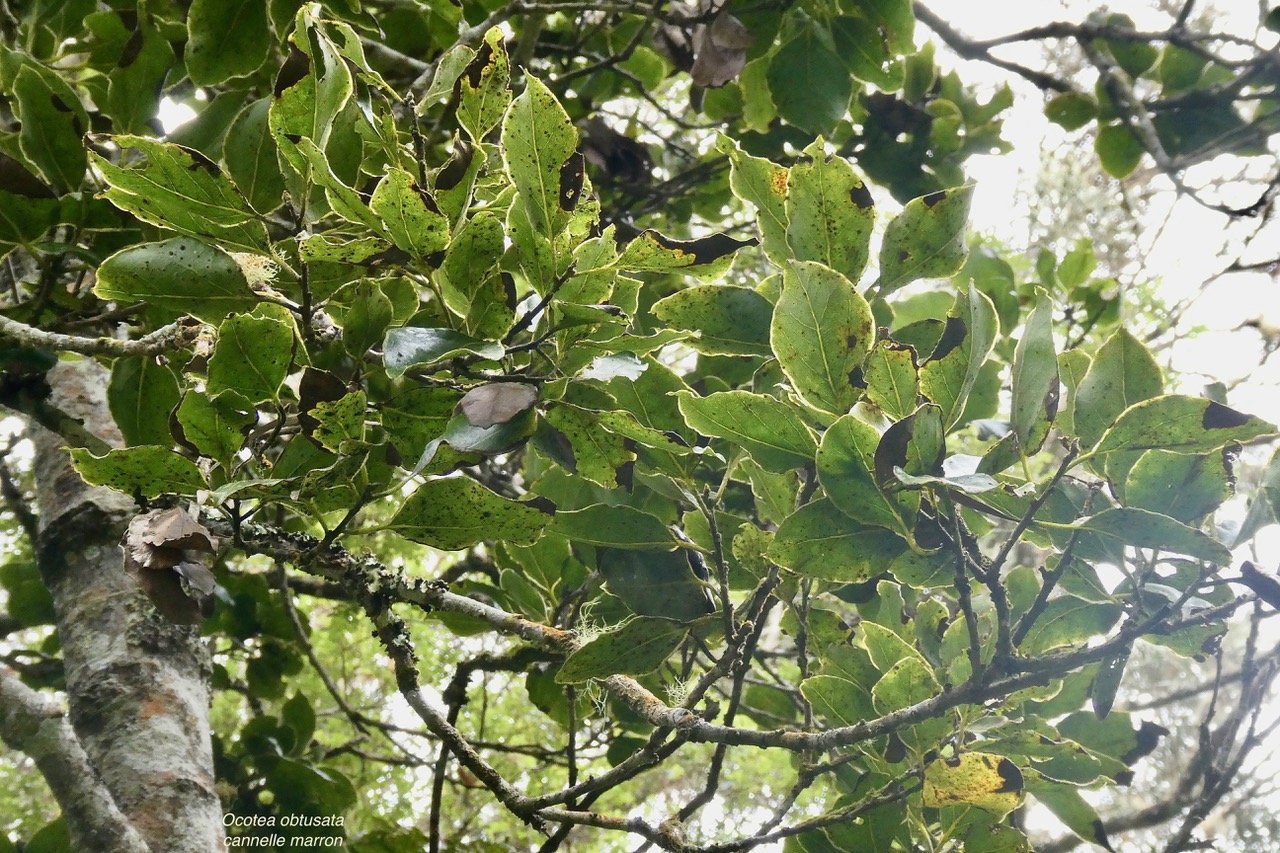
<point x="166" y="339"/>
<point x="32" y="723"/>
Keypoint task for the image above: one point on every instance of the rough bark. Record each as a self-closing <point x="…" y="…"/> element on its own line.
<point x="137" y="685"/>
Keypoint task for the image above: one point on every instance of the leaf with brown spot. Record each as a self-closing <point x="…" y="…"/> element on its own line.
<point x="1218" y="416"/>
<point x="990" y="782"/>
<point x="572" y="174"/>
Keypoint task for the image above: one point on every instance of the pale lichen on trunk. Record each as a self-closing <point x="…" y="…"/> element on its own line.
<point x="137" y="685"/>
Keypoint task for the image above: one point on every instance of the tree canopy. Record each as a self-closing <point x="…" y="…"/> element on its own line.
<point x="591" y="425"/>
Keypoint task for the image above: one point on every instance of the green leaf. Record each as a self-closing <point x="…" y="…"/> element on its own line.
<point x="498" y="438"/>
<point x="948" y="375"/>
<point x="809" y="83"/>
<point x="770" y="430"/>
<point x="914" y="445"/>
<point x="1106" y="683"/>
<point x="1135" y="56"/>
<point x="1114" y="737"/>
<point x="818" y="541"/>
<point x="1183" y="486"/>
<point x="822" y="330"/>
<point x="27" y="599"/>
<point x="1180" y="69"/>
<point x="1035" y="378"/>
<point x="412" y="346"/>
<point x="992" y="836"/>
<point x="225" y="39"/>
<point x="763" y="184"/>
<point x="299" y="716"/>
<point x="990" y="782"/>
<point x="538" y="144"/>
<point x="418" y="416"/>
<point x="844" y="464"/>
<point x="310" y="107"/>
<point x="134" y="85"/>
<point x="409" y="214"/>
<point x="1142" y="528"/>
<point x="1073" y="365"/>
<point x="182" y="275"/>
<point x="891" y="377"/>
<point x="614" y="526"/>
<point x="841" y="701"/>
<point x="926" y="240"/>
<point x="250" y="155"/>
<point x="1067" y="621"/>
<point x="1071" y="110"/>
<point x="1123" y="373"/>
<point x="906" y="682"/>
<point x="1264" y="504"/>
<point x="1183" y="424"/>
<point x="53" y="122"/>
<point x="300" y="788"/>
<point x="148" y="470"/>
<point x="829" y="213"/>
<point x="1073" y="810"/>
<point x="972" y="484"/>
<point x="339" y="421"/>
<point x="597" y="453"/>
<point x="215" y="426"/>
<point x="636" y="648"/>
<point x="252" y="355"/>
<point x="1119" y="150"/>
<point x="730" y="320"/>
<point x="181" y="189"/>
<point x="452" y="513"/>
<point x="470" y="262"/>
<point x="483" y="90"/>
<point x="450" y="66"/>
<point x="654" y="583"/>
<point x="25" y="219"/>
<point x="367" y="317"/>
<point x="308" y="159"/>
<point x="141" y="394"/>
<point x="1077" y="265"/>
<point x="861" y="44"/>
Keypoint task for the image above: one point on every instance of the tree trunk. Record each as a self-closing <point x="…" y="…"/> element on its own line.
<point x="137" y="685"/>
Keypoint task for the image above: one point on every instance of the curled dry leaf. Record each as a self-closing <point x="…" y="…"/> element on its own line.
<point x="162" y="550"/>
<point x="720" y="51"/>
<point x="496" y="403"/>
<point x="715" y="53"/>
